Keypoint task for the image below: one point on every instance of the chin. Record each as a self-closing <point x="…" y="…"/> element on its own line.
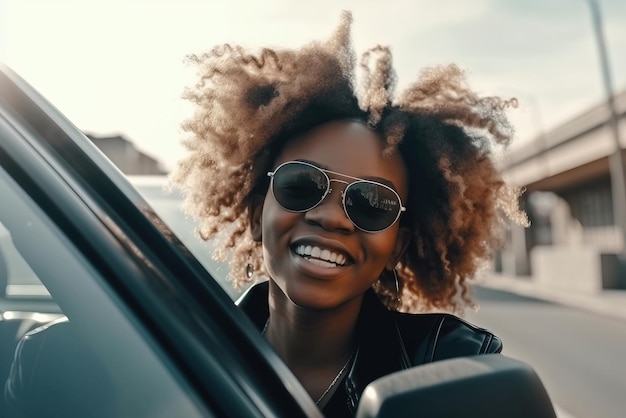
<point x="311" y="297"/>
<point x="312" y="302"/>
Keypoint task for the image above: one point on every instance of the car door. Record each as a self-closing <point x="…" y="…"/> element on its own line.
<point x="148" y="331"/>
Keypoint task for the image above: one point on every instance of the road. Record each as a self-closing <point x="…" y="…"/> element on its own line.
<point x="580" y="356"/>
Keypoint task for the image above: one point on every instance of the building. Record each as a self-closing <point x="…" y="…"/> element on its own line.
<point x="126" y="156"/>
<point x="573" y="241"/>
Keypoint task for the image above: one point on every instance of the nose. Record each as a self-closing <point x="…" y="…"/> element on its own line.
<point x="329" y="214"/>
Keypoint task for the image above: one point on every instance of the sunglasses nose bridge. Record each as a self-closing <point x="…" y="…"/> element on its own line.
<point x="330" y="212"/>
<point x="338" y="181"/>
<point x="330" y="187"/>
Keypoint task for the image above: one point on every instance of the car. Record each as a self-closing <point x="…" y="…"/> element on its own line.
<point x="106" y="312"/>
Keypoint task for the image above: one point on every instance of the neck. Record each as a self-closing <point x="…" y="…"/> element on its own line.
<point x="302" y="335"/>
<point x="315" y="344"/>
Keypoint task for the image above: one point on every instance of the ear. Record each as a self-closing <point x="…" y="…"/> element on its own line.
<point x="255" y="211"/>
<point x="402" y="242"/>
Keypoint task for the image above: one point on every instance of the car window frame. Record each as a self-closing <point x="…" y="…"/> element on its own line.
<point x="165" y="288"/>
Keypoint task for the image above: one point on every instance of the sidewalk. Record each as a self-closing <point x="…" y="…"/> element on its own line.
<point x="607" y="302"/>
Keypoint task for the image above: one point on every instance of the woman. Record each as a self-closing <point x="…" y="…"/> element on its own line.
<point x="356" y="208"/>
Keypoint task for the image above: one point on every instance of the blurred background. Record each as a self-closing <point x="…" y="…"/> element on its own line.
<point x="556" y="292"/>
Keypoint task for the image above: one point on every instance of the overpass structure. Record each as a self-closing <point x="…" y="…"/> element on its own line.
<point x="573" y="241"/>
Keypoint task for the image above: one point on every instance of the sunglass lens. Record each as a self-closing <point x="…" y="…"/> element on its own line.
<point x="299" y="187"/>
<point x="370" y="206"/>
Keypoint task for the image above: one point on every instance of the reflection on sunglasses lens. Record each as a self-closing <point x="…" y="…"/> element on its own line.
<point x="370" y="206"/>
<point x="299" y="187"/>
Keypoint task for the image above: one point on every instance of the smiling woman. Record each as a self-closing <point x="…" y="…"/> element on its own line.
<point x="352" y="205"/>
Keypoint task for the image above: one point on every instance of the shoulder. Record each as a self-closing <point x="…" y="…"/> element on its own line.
<point x="254" y="303"/>
<point x="253" y="294"/>
<point x="437" y="336"/>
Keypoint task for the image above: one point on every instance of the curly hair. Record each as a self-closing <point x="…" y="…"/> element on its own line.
<point x="249" y="105"/>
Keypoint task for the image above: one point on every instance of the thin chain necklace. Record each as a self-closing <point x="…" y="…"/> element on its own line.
<point x="335" y="380"/>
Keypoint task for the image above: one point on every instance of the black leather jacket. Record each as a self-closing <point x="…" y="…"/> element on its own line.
<point x="388" y="341"/>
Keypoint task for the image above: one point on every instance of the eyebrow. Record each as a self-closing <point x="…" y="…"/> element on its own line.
<point x="382" y="180"/>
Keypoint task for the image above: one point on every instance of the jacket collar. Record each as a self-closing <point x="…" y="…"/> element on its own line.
<point x="380" y="349"/>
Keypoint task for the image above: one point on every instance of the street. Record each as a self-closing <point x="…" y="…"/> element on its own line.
<point x="580" y="356"/>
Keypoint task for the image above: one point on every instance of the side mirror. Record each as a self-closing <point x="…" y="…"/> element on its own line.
<point x="480" y="386"/>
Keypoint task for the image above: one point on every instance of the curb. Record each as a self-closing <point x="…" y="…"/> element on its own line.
<point x="610" y="303"/>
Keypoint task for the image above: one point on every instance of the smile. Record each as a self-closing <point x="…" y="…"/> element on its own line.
<point x="321" y="256"/>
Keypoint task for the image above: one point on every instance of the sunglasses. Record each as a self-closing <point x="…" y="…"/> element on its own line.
<point x="371" y="206"/>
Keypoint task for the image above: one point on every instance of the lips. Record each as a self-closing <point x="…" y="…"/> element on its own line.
<point x="319" y="255"/>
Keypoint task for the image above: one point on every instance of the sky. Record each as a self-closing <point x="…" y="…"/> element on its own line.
<point x="116" y="66"/>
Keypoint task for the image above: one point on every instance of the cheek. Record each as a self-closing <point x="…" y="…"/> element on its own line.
<point x="275" y="220"/>
<point x="381" y="246"/>
<point x="276" y="224"/>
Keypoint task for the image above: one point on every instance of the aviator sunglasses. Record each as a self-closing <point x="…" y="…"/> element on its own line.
<point x="299" y="186"/>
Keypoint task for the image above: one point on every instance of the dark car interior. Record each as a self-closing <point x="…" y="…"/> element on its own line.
<point x="19" y="316"/>
<point x="13" y="324"/>
<point x="53" y="367"/>
<point x="66" y="369"/>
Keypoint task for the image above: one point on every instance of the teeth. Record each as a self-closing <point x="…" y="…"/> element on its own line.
<point x="321" y="257"/>
<point x="325" y="255"/>
<point x="321" y="263"/>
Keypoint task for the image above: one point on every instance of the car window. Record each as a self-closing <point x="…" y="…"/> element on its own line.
<point x="133" y="324"/>
<point x="21" y="282"/>
<point x="16" y="276"/>
<point x="93" y="355"/>
<point x="168" y="205"/>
